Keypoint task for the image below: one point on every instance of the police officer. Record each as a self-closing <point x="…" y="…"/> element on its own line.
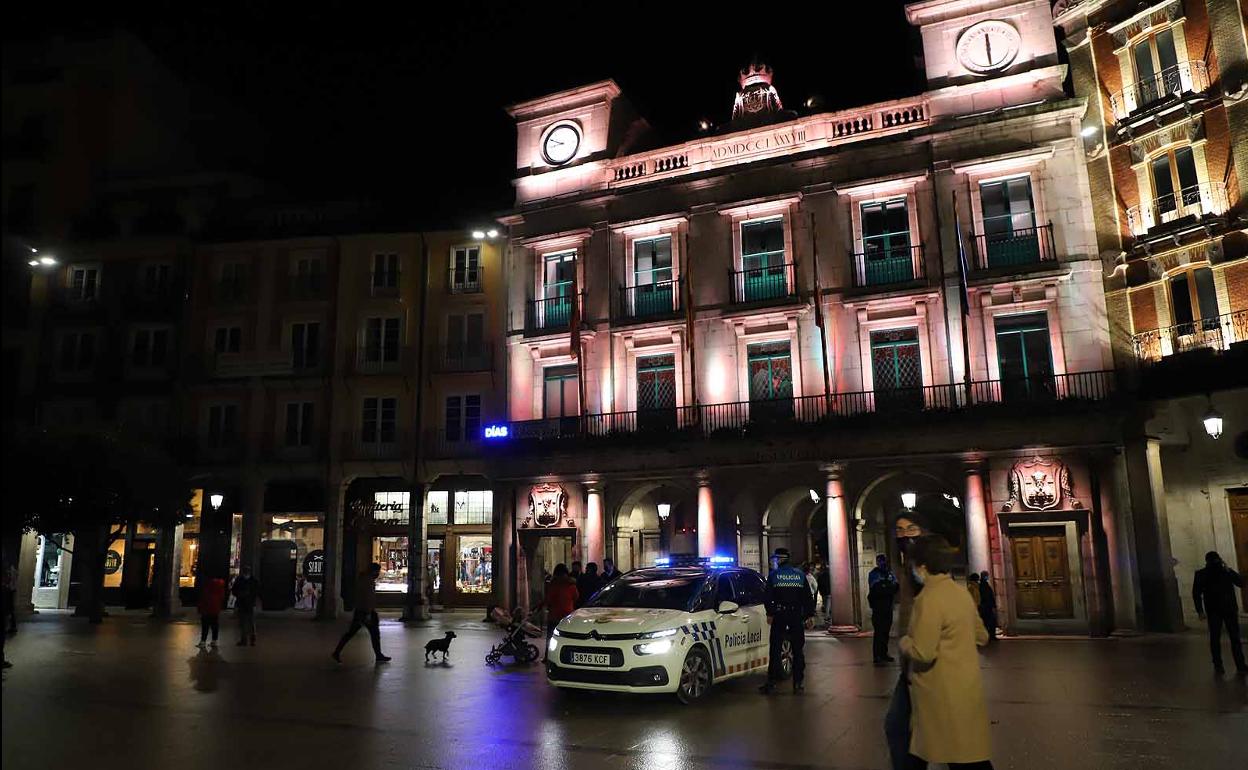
<point x="790" y="611"/>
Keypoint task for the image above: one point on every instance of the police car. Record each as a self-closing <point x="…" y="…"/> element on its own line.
<point x="679" y="627"/>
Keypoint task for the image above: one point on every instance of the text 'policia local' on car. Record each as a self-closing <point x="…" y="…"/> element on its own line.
<point x="679" y="626"/>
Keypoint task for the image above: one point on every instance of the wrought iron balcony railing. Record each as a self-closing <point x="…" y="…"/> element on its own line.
<point x="661" y="299"/>
<point x="1196" y="201"/>
<point x="1188" y="77"/>
<point x="764" y="284"/>
<point x="465" y="281"/>
<point x="382" y="442"/>
<point x="1217" y="333"/>
<point x="463" y="359"/>
<point x="883" y="267"/>
<point x="381" y="358"/>
<point x="553" y="314"/>
<point x="306" y="286"/>
<point x="755" y="417"/>
<point x="1017" y="248"/>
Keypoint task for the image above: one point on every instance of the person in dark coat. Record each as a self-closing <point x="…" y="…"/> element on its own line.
<point x="365" y="614"/>
<point x="246" y="590"/>
<point x="1213" y="591"/>
<point x="881" y="596"/>
<point x="790" y="611"/>
<point x="988" y="605"/>
<point x="587" y="584"/>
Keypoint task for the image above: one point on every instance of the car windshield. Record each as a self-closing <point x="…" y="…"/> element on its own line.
<point x="659" y="590"/>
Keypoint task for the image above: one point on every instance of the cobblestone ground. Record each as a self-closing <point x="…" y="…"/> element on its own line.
<point x="137" y="694"/>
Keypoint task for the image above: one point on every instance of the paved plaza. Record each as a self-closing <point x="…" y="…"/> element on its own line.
<point x="137" y="694"/>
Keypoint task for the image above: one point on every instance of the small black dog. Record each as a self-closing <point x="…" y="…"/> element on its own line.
<point x="439" y="645"/>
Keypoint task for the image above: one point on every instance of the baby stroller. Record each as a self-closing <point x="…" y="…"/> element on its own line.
<point x="518" y="631"/>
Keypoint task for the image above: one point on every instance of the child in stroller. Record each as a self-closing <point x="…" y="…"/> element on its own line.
<point x="517" y="632"/>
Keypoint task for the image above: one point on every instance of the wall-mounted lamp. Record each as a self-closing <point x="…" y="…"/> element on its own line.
<point x="908" y="500"/>
<point x="1213" y="422"/>
<point x="665" y="510"/>
<point x="481" y="235"/>
<point x="814" y="496"/>
<point x="215" y="500"/>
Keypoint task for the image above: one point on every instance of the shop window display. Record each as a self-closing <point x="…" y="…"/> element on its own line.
<point x="188" y="564"/>
<point x="474" y="506"/>
<point x="390" y="507"/>
<point x="391" y="554"/>
<point x="474" y="570"/>
<point x="437" y="504"/>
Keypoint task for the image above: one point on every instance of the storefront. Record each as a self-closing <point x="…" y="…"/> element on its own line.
<point x="378" y="517"/>
<point x="53" y="562"/>
<point x="460" y="548"/>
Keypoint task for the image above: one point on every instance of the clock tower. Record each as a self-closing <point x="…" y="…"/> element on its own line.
<point x="981" y="55"/>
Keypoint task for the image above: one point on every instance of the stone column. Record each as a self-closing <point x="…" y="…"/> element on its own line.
<point x="330" y="603"/>
<point x="706" y="516"/>
<point x="975" y="507"/>
<point x="595" y="523"/>
<point x="417" y="605"/>
<point x="253" y="512"/>
<point x="839" y="565"/>
<point x="1159" y="590"/>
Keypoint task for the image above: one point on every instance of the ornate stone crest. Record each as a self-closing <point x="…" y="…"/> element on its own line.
<point x="1039" y="484"/>
<point x="548" y="507"/>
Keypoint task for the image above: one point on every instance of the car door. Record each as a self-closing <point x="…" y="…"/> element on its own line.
<point x="751" y="593"/>
<point x="731" y="630"/>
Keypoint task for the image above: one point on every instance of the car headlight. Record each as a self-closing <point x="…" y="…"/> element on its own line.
<point x="659" y="634"/>
<point x="553" y="644"/>
<point x="653" y="648"/>
<point x="556" y="632"/>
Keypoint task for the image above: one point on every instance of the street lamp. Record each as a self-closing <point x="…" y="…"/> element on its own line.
<point x="215" y="500"/>
<point x="1213" y="422"/>
<point x="665" y="510"/>
<point x="814" y="496"/>
<point x="908" y="500"/>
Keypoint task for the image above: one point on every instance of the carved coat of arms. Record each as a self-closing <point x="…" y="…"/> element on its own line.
<point x="1039" y="484"/>
<point x="548" y="506"/>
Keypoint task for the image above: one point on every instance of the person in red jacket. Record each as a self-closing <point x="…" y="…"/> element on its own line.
<point x="211" y="602"/>
<point x="561" y="598"/>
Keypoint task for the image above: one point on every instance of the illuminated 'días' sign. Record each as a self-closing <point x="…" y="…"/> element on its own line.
<point x="497" y="431"/>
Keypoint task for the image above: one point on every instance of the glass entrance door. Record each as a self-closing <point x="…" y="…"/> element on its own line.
<point x="656" y="392"/>
<point x="763" y="260"/>
<point x="886" y="242"/>
<point x="897" y="369"/>
<point x="1009" y="214"/>
<point x="561" y="398"/>
<point x="1024" y="360"/>
<point x="652" y="277"/>
<point x="559" y="286"/>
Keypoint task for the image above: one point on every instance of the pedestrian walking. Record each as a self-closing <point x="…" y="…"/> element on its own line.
<point x="949" y="717"/>
<point x="823" y="577"/>
<point x="1213" y="591"/>
<point x="790" y="611"/>
<point x="587" y="584"/>
<point x="561" y="598"/>
<point x="211" y="602"/>
<point x="246" y="590"/>
<point x="365" y="614"/>
<point x="988" y="605"/>
<point x="882" y="591"/>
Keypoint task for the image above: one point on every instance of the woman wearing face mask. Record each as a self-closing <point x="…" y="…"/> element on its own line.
<point x="949" y="717"/>
<point x="907" y="528"/>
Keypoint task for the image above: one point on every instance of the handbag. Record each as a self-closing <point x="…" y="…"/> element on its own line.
<point x="897" y="723"/>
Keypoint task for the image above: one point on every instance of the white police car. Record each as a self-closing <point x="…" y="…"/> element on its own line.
<point x="676" y="627"/>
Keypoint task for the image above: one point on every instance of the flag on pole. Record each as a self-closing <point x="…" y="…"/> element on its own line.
<point x="814" y="258"/>
<point x="574" y="316"/>
<point x="962" y="267"/>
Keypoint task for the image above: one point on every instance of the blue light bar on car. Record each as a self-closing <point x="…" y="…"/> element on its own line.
<point x="663" y="561"/>
<point x="722" y="561"/>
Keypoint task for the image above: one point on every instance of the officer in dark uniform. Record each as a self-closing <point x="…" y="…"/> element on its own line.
<point x="790" y="610"/>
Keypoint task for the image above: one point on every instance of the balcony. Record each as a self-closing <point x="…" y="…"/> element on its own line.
<point x="294" y="453"/>
<point x="651" y="302"/>
<point x="229" y="292"/>
<point x="379" y="359"/>
<point x="465" y="281"/>
<point x="161" y="301"/>
<point x="461" y="359"/>
<point x="225" y="448"/>
<point x="1153" y="93"/>
<point x="251" y="364"/>
<point x="440" y="446"/>
<point x="1175" y="212"/>
<point x="888" y="267"/>
<point x="755" y="418"/>
<point x="74" y="300"/>
<point x="385" y="443"/>
<point x="1217" y="333"/>
<point x="305" y="287"/>
<point x="1022" y="248"/>
<point x="764" y="285"/>
<point x="550" y="315"/>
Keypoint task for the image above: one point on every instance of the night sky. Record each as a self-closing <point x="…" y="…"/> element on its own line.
<point x="362" y="100"/>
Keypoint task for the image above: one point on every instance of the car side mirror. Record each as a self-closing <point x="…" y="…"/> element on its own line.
<point x="727" y="608"/>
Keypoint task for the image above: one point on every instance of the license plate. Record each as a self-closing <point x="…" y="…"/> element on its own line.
<point x="591" y="659"/>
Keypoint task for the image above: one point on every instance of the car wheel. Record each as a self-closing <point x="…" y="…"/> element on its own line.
<point x="786" y="659"/>
<point x="695" y="676"/>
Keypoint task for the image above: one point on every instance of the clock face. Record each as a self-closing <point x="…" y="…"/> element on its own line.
<point x="988" y="46"/>
<point x="560" y="143"/>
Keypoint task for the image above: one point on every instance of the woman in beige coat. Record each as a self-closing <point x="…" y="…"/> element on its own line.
<point x="949" y="718"/>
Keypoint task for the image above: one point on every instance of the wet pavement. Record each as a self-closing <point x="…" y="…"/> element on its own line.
<point x="137" y="694"/>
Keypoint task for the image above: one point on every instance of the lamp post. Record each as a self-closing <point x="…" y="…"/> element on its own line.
<point x="908" y="499"/>
<point x="665" y="510"/>
<point x="1213" y="422"/>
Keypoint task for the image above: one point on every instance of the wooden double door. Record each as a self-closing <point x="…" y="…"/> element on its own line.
<point x="1042" y="580"/>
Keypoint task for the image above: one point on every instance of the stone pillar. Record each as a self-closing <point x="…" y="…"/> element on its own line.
<point x="839" y="565"/>
<point x="417" y="605"/>
<point x="595" y="523"/>
<point x="1159" y="590"/>
<point x="504" y="546"/>
<point x="27" y="553"/>
<point x="331" y="597"/>
<point x="975" y="507"/>
<point x="253" y="512"/>
<point x="706" y="516"/>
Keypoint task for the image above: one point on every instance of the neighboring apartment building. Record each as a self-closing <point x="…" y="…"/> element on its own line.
<point x="760" y="337"/>
<point x="1166" y="145"/>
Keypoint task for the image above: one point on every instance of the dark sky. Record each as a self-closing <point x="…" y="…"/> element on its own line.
<point x="406" y="100"/>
